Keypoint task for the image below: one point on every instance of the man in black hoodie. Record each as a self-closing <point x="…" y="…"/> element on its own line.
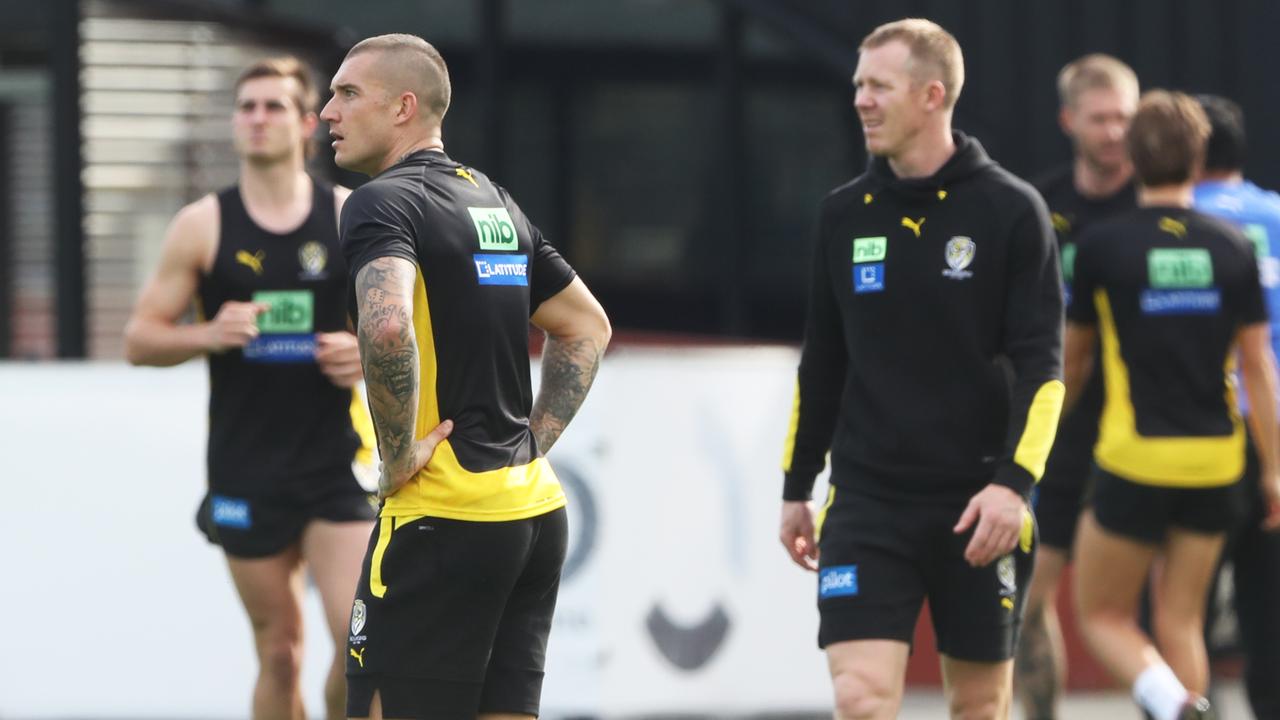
<point x="930" y="371"/>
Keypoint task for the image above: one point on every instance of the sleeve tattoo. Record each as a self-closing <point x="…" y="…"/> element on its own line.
<point x="568" y="369"/>
<point x="389" y="355"/>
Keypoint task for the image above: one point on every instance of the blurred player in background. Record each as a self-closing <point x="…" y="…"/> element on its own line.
<point x="455" y="604"/>
<point x="261" y="261"/>
<point x="1172" y="293"/>
<point x="930" y="371"/>
<point x="1099" y="95"/>
<point x="1253" y="553"/>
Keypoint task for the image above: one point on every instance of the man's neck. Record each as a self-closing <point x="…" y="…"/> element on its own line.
<point x="274" y="185"/>
<point x="1092" y="181"/>
<point x="1226" y="177"/>
<point x="409" y="144"/>
<point x="926" y="156"/>
<point x="1166" y="195"/>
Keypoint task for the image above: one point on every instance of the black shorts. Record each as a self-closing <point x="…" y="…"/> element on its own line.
<point x="879" y="560"/>
<point x="451" y="618"/>
<point x="1146" y="512"/>
<point x="1058" y="500"/>
<point x="255" y="525"/>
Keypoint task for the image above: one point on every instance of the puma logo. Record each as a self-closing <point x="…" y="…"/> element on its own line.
<point x="253" y="262"/>
<point x="1173" y="227"/>
<point x="1006" y="603"/>
<point x="913" y="225"/>
<point x="465" y="174"/>
<point x="359" y="656"/>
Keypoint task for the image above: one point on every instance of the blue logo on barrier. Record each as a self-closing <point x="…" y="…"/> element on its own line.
<point x="868" y="277"/>
<point x="838" y="581"/>
<point x="1181" y="302"/>
<point x="281" y="348"/>
<point x="502" y="269"/>
<point x="231" y="512"/>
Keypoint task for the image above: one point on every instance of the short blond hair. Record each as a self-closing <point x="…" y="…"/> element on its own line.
<point x="1092" y="72"/>
<point x="421" y="61"/>
<point x="935" y="54"/>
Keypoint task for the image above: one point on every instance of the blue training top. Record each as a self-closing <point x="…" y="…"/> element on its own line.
<point x="1257" y="213"/>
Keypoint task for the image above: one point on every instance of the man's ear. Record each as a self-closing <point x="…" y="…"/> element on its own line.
<point x="406" y="107"/>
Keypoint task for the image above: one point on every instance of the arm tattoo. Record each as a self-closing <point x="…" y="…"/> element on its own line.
<point x="389" y="354"/>
<point x="568" y="369"/>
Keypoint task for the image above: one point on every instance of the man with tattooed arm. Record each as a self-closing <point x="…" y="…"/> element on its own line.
<point x="458" y="588"/>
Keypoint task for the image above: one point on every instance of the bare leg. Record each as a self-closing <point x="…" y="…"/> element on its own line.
<point x="978" y="690"/>
<point x="1040" y="672"/>
<point x="867" y="677"/>
<point x="334" y="552"/>
<point x="1110" y="572"/>
<point x="1191" y="559"/>
<point x="271" y="590"/>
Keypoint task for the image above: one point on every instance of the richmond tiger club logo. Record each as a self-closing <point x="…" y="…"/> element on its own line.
<point x="959" y="255"/>
<point x="358" y="615"/>
<point x="313" y="257"/>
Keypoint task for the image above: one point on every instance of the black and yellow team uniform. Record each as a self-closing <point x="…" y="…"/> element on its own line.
<point x="459" y="585"/>
<point x="282" y="437"/>
<point x="1060" y="494"/>
<point x="930" y="368"/>
<point x="1169" y="290"/>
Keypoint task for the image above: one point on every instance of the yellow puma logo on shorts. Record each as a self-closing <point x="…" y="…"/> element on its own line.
<point x="253" y="262"/>
<point x="359" y="656"/>
<point x="913" y="225"/>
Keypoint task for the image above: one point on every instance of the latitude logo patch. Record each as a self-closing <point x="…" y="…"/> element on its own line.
<point x="501" y="269"/>
<point x="494" y="228"/>
<point x="959" y="254"/>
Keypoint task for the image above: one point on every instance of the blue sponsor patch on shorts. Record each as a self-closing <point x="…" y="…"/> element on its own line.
<point x="868" y="277"/>
<point x="501" y="269"/>
<point x="281" y="349"/>
<point x="1181" y="302"/>
<point x="231" y="512"/>
<point x="838" y="581"/>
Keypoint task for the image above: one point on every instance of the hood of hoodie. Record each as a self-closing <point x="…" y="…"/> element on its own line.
<point x="969" y="159"/>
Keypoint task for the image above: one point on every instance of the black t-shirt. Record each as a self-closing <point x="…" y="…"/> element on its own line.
<point x="483" y="269"/>
<point x="1072" y="214"/>
<point x="1169" y="290"/>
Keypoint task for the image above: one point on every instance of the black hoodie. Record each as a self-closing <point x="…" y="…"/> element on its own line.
<point x="932" y="352"/>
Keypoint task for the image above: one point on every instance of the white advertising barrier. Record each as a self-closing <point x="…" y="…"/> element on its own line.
<point x="677" y="597"/>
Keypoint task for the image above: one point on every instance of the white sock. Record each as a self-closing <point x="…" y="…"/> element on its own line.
<point x="1158" y="691"/>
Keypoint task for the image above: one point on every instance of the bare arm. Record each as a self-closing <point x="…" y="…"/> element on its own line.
<point x="1258" y="370"/>
<point x="153" y="335"/>
<point x="389" y="354"/>
<point x="1077" y="361"/>
<point x="577" y="333"/>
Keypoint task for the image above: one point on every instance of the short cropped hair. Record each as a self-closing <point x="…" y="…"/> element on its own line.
<point x="307" y="97"/>
<point x="1167" y="138"/>
<point x="1092" y="72"/>
<point x="1226" y="148"/>
<point x="935" y="54"/>
<point x="421" y="60"/>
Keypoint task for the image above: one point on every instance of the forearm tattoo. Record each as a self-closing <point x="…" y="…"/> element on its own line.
<point x="389" y="354"/>
<point x="568" y="369"/>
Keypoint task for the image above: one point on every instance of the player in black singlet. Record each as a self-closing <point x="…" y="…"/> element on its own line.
<point x="261" y="259"/>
